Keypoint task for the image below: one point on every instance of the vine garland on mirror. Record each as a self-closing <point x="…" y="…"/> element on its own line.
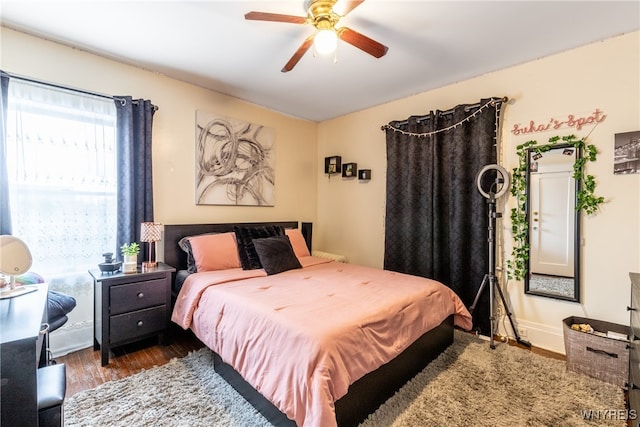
<point x="587" y="200"/>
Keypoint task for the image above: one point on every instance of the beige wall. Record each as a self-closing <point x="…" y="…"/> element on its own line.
<point x="348" y="214"/>
<point x="603" y="75"/>
<point x="174" y="130"/>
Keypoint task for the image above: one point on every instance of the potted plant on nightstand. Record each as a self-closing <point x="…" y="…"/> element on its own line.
<point x="130" y="253"/>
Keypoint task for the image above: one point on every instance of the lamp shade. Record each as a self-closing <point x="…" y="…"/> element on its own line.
<point x="15" y="257"/>
<point x="150" y="232"/>
<point x="325" y="41"/>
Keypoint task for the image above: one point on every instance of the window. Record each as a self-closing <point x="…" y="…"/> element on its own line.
<point x="61" y="162"/>
<point x="61" y="165"/>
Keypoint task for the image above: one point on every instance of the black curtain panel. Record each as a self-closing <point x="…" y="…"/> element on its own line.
<point x="436" y="222"/>
<point x="5" y="212"/>
<point x="135" y="186"/>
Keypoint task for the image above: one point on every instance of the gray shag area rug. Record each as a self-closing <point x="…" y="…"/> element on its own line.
<point x="468" y="385"/>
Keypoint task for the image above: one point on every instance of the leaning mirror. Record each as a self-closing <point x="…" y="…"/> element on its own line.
<point x="554" y="223"/>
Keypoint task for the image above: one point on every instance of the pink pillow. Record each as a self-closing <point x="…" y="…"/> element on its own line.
<point x="297" y="242"/>
<point x="215" y="251"/>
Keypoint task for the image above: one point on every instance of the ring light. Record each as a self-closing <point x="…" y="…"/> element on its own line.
<point x="502" y="178"/>
<point x="499" y="180"/>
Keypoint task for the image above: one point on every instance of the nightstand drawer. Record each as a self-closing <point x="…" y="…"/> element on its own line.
<point x="128" y="326"/>
<point x="138" y="295"/>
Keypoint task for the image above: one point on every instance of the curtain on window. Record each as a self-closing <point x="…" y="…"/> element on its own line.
<point x="61" y="161"/>
<point x="135" y="185"/>
<point x="5" y="213"/>
<point x="75" y="182"/>
<point x="436" y="220"/>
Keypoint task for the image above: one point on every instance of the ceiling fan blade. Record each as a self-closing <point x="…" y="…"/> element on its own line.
<point x="362" y="42"/>
<point x="304" y="47"/>
<point x="343" y="7"/>
<point x="274" y="17"/>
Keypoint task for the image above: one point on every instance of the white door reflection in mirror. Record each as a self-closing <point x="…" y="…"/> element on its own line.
<point x="551" y="229"/>
<point x="552" y="224"/>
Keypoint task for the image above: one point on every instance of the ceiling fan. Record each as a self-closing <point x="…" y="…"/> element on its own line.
<point x="321" y="14"/>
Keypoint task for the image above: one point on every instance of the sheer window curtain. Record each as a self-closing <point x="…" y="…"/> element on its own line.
<point x="61" y="157"/>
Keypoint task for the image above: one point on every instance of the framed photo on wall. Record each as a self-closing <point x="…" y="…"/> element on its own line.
<point x="626" y="153"/>
<point x="235" y="162"/>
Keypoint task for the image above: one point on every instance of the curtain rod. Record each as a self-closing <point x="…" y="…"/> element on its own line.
<point x="467" y="108"/>
<point x="58" y="86"/>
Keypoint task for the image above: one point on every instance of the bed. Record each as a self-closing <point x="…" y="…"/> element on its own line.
<point x="303" y="344"/>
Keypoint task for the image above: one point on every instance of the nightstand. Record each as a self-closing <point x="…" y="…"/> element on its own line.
<point x="130" y="307"/>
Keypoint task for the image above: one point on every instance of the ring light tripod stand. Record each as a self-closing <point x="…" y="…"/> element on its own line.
<point x="501" y="184"/>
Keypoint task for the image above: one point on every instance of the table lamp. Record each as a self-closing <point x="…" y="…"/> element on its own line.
<point x="151" y="232"/>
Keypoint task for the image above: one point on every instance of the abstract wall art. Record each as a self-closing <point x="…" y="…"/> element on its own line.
<point x="235" y="162"/>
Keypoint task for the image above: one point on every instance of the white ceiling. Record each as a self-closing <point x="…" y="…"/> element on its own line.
<point x="431" y="43"/>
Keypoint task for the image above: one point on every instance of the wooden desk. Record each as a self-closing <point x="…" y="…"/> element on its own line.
<point x="21" y="320"/>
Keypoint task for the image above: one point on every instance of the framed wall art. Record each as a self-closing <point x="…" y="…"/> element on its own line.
<point x="235" y="162"/>
<point x="627" y="153"/>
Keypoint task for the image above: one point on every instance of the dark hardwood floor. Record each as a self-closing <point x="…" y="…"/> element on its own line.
<point x="84" y="370"/>
<point x="540" y="351"/>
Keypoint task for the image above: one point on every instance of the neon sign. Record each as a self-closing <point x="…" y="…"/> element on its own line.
<point x="553" y="124"/>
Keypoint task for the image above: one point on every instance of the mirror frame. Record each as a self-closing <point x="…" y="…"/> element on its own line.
<point x="577" y="237"/>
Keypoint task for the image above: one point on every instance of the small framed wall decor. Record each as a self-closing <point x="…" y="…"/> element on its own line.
<point x="349" y="170"/>
<point x="332" y="165"/>
<point x="364" y="174"/>
<point x="626" y="153"/>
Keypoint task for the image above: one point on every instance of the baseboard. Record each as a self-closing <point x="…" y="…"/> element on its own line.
<point x="67" y="340"/>
<point x="540" y="336"/>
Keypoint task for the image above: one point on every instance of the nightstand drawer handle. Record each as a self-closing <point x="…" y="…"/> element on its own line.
<point x="140" y="323"/>
<point x="140" y="295"/>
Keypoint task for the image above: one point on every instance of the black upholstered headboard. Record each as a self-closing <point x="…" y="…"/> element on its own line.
<point x="176" y="257"/>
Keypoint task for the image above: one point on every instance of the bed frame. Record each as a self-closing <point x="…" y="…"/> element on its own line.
<point x="366" y="394"/>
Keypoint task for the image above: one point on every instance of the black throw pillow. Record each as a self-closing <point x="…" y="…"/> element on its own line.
<point x="249" y="259"/>
<point x="276" y="254"/>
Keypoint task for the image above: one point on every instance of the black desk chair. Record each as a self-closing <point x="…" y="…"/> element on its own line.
<point x="58" y="306"/>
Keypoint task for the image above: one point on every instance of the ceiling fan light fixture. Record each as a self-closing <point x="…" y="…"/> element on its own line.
<point x="321" y="16"/>
<point x="325" y="41"/>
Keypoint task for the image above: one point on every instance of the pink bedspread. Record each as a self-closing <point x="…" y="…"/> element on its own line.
<point x="303" y="336"/>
